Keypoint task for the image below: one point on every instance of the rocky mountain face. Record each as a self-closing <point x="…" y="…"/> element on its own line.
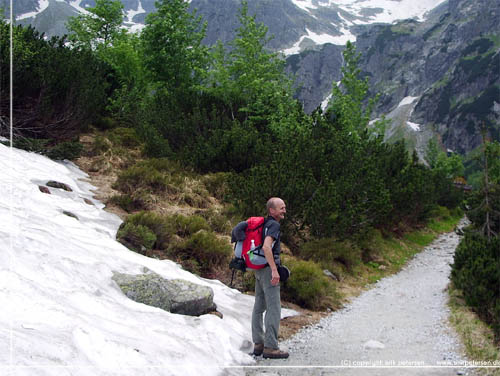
<point x="449" y="66"/>
<point x="435" y="62"/>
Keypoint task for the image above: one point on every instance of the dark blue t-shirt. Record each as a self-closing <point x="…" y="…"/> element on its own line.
<point x="272" y="229"/>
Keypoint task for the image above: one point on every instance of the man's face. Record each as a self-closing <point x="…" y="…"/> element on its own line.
<point x="278" y="211"/>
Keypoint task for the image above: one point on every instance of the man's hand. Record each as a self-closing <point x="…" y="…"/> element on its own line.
<point x="275" y="277"/>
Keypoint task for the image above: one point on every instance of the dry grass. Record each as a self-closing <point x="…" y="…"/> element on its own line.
<point x="477" y="337"/>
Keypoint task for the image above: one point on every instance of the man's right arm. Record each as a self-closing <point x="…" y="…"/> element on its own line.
<point x="268" y="253"/>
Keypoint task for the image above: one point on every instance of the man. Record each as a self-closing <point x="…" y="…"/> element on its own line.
<point x="267" y="287"/>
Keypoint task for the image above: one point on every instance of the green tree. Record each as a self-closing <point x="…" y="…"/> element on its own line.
<point x="99" y="28"/>
<point x="251" y="79"/>
<point x="172" y="50"/>
<point x="347" y="98"/>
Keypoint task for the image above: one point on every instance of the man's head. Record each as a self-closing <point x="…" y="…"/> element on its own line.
<point x="276" y="208"/>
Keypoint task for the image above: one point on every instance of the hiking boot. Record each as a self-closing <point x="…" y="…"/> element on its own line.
<point x="258" y="348"/>
<point x="274" y="353"/>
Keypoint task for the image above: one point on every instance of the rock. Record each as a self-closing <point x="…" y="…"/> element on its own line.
<point x="69" y="214"/>
<point x="331" y="275"/>
<point x="56" y="184"/>
<point x="44" y="189"/>
<point x="87" y="201"/>
<point x="176" y="295"/>
<point x="372" y="344"/>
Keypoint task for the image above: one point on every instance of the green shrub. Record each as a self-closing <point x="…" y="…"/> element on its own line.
<point x="217" y="221"/>
<point x="136" y="237"/>
<point x="328" y="251"/>
<point x="217" y="184"/>
<point x="140" y="176"/>
<point x="104" y="123"/>
<point x="308" y="286"/>
<point x="159" y="226"/>
<point x="205" y="248"/>
<point x="65" y="150"/>
<point x="100" y="145"/>
<point x="124" y="137"/>
<point x="476" y="271"/>
<point x="130" y="202"/>
<point x="29" y="144"/>
<point x="188" y="225"/>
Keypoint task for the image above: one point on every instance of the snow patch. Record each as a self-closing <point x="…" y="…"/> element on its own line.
<point x="42" y="5"/>
<point x="321" y="39"/>
<point x="60" y="304"/>
<point x="414" y="126"/>
<point x="132" y="13"/>
<point x="393" y="10"/>
<point x="325" y="102"/>
<point x="407" y="100"/>
<point x="76" y="4"/>
<point x="306" y="5"/>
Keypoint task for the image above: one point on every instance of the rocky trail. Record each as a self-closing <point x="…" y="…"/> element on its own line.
<point x="399" y="327"/>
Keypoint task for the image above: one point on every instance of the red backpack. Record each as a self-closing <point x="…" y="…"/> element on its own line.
<point x="254" y="232"/>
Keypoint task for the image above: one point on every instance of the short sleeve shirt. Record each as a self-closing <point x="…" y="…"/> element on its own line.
<point x="272" y="229"/>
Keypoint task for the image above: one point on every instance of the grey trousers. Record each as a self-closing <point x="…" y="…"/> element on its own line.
<point x="267" y="299"/>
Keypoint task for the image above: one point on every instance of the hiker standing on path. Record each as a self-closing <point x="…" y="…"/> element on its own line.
<point x="267" y="287"/>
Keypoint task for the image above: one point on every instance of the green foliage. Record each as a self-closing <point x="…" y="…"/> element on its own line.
<point x="476" y="271"/>
<point x="205" y="248"/>
<point x="171" y="41"/>
<point x="217" y="184"/>
<point x="327" y="252"/>
<point x="186" y="226"/>
<point x="157" y="224"/>
<point x="140" y="176"/>
<point x="155" y="175"/>
<point x="136" y="237"/>
<point x="250" y="74"/>
<point x="308" y="286"/>
<point x="126" y="137"/>
<point x="346" y="105"/>
<point x="59" y="91"/>
<point x="65" y="150"/>
<point x="99" y="27"/>
<point x="130" y="202"/>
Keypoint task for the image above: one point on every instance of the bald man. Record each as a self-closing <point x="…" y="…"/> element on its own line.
<point x="267" y="287"/>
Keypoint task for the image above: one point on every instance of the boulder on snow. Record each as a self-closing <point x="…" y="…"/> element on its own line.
<point x="56" y="184"/>
<point x="44" y="189"/>
<point x="174" y="295"/>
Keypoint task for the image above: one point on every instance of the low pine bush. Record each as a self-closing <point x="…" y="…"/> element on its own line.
<point x="476" y="271"/>
<point x="65" y="150"/>
<point x="328" y="252"/>
<point x="203" y="247"/>
<point x="126" y="137"/>
<point x="186" y="226"/>
<point x="308" y="286"/>
<point x="136" y="237"/>
<point x="157" y="224"/>
<point x="140" y="176"/>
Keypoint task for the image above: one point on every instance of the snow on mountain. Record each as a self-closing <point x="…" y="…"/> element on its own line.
<point x="358" y="12"/>
<point x="61" y="312"/>
<point x="385" y="11"/>
<point x="42" y="5"/>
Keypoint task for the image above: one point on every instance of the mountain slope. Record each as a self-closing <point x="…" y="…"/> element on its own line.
<point x="443" y="53"/>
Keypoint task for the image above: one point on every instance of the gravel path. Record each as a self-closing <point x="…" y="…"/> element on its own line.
<point x="401" y="321"/>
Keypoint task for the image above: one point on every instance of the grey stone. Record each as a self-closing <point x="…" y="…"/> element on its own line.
<point x="69" y="214"/>
<point x="44" y="189"/>
<point x="56" y="184"/>
<point x="174" y="295"/>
